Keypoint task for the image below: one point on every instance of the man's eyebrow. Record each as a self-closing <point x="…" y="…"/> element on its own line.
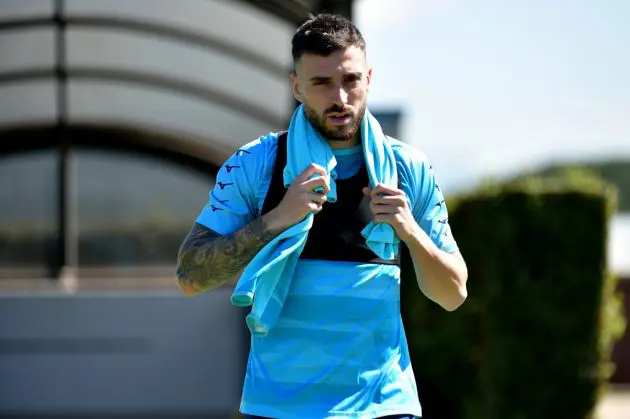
<point x="354" y="74"/>
<point x="319" y="78"/>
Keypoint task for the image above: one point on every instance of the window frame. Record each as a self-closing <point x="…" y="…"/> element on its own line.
<point x="62" y="270"/>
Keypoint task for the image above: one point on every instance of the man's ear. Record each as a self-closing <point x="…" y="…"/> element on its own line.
<point x="369" y="78"/>
<point x="295" y="87"/>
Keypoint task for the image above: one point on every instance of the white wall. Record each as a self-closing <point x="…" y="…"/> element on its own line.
<point x="619" y="245"/>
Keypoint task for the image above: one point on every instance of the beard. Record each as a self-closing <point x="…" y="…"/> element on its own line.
<point x="337" y="133"/>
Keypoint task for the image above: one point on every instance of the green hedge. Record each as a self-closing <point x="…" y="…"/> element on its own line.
<point x="535" y="336"/>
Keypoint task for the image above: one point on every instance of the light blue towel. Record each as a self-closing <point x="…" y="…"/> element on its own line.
<point x="265" y="282"/>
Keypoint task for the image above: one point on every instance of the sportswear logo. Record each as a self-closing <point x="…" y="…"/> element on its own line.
<point x="229" y="168"/>
<point x="223" y="185"/>
<point x="439" y="204"/>
<point x="214" y="209"/>
<point x="444" y="221"/>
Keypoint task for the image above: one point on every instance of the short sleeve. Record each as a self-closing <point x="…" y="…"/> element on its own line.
<point x="428" y="205"/>
<point x="232" y="200"/>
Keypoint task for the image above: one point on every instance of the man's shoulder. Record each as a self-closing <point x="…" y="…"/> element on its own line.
<point x="256" y="155"/>
<point x="261" y="146"/>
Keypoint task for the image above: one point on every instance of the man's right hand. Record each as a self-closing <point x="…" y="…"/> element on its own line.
<point x="300" y="199"/>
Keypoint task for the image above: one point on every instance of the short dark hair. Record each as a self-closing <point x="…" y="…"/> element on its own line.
<point x="324" y="34"/>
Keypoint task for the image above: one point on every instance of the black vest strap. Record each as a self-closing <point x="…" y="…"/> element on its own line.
<point x="276" y="190"/>
<point x="336" y="231"/>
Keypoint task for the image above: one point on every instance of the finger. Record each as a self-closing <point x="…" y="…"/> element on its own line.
<point x="316" y="197"/>
<point x="316" y="182"/>
<point x="367" y="191"/>
<point x="314" y="207"/>
<point x="385" y="209"/>
<point x="389" y="200"/>
<point x="384" y="189"/>
<point x="310" y="171"/>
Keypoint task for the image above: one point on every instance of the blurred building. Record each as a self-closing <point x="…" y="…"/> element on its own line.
<point x="114" y="117"/>
<point x="390" y="120"/>
<point x="619" y="262"/>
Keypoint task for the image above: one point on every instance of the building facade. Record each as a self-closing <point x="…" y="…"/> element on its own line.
<point x="619" y="262"/>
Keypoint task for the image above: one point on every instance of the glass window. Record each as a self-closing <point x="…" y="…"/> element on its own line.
<point x="134" y="210"/>
<point x="28" y="208"/>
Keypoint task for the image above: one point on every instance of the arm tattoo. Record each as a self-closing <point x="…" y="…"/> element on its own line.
<point x="207" y="259"/>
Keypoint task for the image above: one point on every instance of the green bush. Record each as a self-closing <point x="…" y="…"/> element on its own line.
<point x="535" y="336"/>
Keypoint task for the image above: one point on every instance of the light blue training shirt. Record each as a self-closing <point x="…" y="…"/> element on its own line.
<point x="339" y="349"/>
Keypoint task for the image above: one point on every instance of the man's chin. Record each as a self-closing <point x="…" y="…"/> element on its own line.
<point x="339" y="137"/>
<point x="337" y="134"/>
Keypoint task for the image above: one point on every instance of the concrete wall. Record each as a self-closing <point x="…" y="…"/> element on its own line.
<point x="112" y="353"/>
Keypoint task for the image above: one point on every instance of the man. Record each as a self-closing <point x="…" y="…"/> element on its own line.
<point x="339" y="348"/>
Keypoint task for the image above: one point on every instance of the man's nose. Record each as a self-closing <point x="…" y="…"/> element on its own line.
<point x="340" y="96"/>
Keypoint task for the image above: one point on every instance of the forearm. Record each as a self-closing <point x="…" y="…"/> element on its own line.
<point x="207" y="260"/>
<point x="441" y="276"/>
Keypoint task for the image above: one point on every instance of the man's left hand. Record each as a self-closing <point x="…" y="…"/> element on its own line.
<point x="389" y="205"/>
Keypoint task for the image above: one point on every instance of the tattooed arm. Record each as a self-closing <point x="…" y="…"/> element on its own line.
<point x="208" y="260"/>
